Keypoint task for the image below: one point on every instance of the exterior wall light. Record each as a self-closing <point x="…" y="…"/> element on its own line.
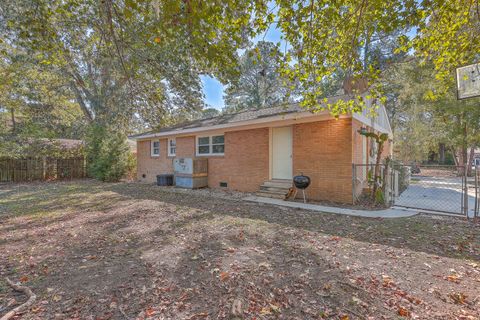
<point x="363" y="131"/>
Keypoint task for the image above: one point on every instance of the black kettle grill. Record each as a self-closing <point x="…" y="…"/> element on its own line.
<point x="301" y="182"/>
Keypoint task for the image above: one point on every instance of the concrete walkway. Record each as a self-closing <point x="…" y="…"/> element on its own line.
<point x="387" y="213"/>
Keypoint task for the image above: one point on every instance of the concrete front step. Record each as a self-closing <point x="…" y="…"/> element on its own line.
<point x="275" y="188"/>
<point x="278" y="183"/>
<point x="270" y="195"/>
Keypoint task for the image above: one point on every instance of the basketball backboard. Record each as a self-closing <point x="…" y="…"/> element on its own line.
<point x="468" y="81"/>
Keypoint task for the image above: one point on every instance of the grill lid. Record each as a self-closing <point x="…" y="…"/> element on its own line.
<point x="301" y="181"/>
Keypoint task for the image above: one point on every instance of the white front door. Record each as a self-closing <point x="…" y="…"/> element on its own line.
<point x="282" y="153"/>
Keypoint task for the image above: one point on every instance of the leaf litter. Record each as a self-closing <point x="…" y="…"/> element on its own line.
<point x="132" y="251"/>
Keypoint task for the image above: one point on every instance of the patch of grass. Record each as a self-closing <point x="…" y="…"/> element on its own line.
<point x="3" y="286"/>
<point x="50" y="200"/>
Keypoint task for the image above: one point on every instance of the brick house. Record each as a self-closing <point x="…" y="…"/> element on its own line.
<point x="267" y="147"/>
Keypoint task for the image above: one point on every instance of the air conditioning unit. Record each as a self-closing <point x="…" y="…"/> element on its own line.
<point x="191" y="173"/>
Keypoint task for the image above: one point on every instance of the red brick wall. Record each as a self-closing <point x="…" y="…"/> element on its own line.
<point x="185" y="147"/>
<point x="151" y="166"/>
<point x="387" y="149"/>
<point x="323" y="151"/>
<point x="245" y="165"/>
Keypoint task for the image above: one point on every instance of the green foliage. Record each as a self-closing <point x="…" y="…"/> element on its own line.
<point x="134" y="63"/>
<point x="260" y="84"/>
<point x="20" y="147"/>
<point x="209" y="113"/>
<point x="329" y="35"/>
<point x="108" y="154"/>
<point x="449" y="159"/>
<point x="379" y="196"/>
<point x="370" y="179"/>
<point x="379" y="138"/>
<point x="448" y="39"/>
<point x="422" y="120"/>
<point x="141" y="60"/>
<point x="34" y="101"/>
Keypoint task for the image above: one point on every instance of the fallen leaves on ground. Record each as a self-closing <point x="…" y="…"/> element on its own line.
<point x="115" y="251"/>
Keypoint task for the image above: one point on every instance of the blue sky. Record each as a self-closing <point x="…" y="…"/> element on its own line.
<point x="214" y="90"/>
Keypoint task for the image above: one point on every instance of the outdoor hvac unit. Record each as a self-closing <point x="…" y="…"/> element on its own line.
<point x="190" y="173"/>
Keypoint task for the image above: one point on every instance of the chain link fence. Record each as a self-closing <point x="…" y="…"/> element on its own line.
<point x="436" y="188"/>
<point x="363" y="182"/>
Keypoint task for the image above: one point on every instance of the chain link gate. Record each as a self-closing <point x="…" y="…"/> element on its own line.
<point x="428" y="188"/>
<point x="439" y="189"/>
<point x="476" y="192"/>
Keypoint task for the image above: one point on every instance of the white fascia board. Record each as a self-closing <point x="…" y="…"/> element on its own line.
<point x="388" y="119"/>
<point x="368" y="122"/>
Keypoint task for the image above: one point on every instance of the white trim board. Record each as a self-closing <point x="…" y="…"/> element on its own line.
<point x="273" y="121"/>
<point x="371" y="122"/>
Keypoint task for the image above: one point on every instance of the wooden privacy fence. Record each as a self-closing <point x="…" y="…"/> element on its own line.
<point x="30" y="169"/>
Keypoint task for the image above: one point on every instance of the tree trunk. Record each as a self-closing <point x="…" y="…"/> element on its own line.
<point x="462" y="156"/>
<point x="81" y="102"/>
<point x="376" y="178"/>
<point x="455" y="157"/>
<point x="441" y="153"/>
<point x="14" y="123"/>
<point x="470" y="160"/>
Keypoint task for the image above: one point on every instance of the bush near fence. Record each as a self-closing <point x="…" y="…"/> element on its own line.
<point x="397" y="181"/>
<point x="404" y="175"/>
<point x="42" y="169"/>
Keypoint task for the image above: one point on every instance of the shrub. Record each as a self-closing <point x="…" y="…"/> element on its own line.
<point x="108" y="154"/>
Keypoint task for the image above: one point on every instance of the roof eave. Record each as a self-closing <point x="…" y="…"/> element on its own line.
<point x="258" y="121"/>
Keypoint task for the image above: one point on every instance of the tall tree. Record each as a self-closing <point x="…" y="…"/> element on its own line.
<point x="260" y="84"/>
<point x="325" y="36"/>
<point x="36" y="102"/>
<point x="111" y="51"/>
<point x="423" y="120"/>
<point x="131" y="59"/>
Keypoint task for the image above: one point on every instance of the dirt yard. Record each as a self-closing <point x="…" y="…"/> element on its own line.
<point x="90" y="250"/>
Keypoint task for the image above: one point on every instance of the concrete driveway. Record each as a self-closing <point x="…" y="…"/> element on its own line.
<point x="442" y="194"/>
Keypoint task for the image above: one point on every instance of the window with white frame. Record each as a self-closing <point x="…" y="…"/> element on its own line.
<point x="155" y="148"/>
<point x="211" y="145"/>
<point x="172" y="147"/>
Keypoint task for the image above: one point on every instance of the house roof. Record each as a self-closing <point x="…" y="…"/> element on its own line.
<point x="226" y="119"/>
<point x="237" y="119"/>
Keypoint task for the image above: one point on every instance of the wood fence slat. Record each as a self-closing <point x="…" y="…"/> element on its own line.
<point x="31" y="169"/>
